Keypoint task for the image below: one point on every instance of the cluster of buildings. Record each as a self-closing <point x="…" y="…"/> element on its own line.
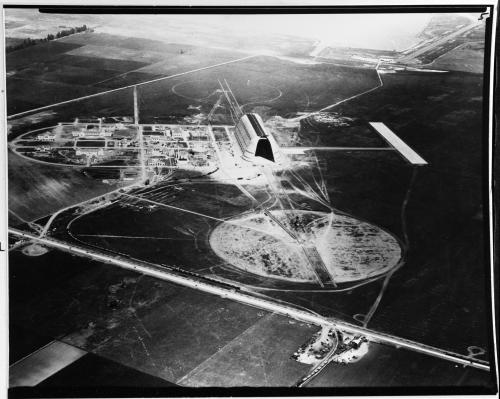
<point x="97" y="130"/>
<point x="46" y="136"/>
<point x="171" y="145"/>
<point x="159" y="146"/>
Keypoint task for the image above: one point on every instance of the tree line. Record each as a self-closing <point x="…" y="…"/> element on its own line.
<point x="30" y="42"/>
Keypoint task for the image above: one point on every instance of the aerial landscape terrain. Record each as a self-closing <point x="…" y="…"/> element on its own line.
<point x="197" y="204"/>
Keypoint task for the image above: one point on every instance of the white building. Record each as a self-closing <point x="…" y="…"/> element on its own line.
<point x="155" y="151"/>
<point x="179" y="133"/>
<point x="46" y="137"/>
<point x="156" y="161"/>
<point x="90" y="152"/>
<point x="94" y="132"/>
<point x="255" y="143"/>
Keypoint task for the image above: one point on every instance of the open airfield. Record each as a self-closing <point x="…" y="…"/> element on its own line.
<point x="405" y="245"/>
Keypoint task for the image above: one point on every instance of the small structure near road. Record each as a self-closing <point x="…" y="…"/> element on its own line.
<point x="318" y="347"/>
<point x="351" y="348"/>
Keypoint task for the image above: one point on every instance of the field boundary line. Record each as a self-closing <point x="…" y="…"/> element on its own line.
<point x="200" y="365"/>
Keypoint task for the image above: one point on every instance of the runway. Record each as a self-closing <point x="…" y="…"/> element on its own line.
<point x="398" y="144"/>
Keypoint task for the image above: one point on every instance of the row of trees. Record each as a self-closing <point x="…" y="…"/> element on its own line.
<point x="30" y="42"/>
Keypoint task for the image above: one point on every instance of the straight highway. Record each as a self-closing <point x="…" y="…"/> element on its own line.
<point x="238" y="294"/>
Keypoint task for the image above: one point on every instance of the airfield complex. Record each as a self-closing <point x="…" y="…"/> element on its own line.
<point x="154" y="147"/>
<point x="272" y="239"/>
<point x="149" y="153"/>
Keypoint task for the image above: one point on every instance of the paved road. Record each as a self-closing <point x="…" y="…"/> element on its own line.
<point x="320" y="366"/>
<point x="238" y="294"/>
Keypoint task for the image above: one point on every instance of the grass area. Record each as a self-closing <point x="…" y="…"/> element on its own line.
<point x="311" y="86"/>
<point x="468" y="58"/>
<point x="284" y="87"/>
<point x="21" y="98"/>
<point x="180" y="242"/>
<point x="159" y="328"/>
<point x="87" y="63"/>
<point x="351" y="132"/>
<point x="12" y="41"/>
<point x="438" y="115"/>
<point x="258" y="357"/>
<point x="36" y="190"/>
<point x="126" y="79"/>
<point x="101" y="61"/>
<point x="55" y="72"/>
<point x="117" y="52"/>
<point x="399" y="368"/>
<point x="43" y="52"/>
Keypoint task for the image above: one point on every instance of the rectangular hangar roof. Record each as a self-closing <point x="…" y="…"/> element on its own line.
<point x="257" y="126"/>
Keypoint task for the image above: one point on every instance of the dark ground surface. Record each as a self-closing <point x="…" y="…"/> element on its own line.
<point x="255" y="82"/>
<point x="142" y="332"/>
<point x="419" y="371"/>
<point x="450" y="291"/>
<point x="439" y="297"/>
<point x="446" y="246"/>
<point x="54" y="75"/>
<point x="101" y="372"/>
<point x="24" y="340"/>
<point x="46" y="188"/>
<point x="446" y="258"/>
<point x="157" y="328"/>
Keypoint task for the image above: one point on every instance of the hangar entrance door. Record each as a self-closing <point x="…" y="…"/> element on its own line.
<point x="264" y="150"/>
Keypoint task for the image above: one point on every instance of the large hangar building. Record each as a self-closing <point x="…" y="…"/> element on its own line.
<point x="255" y="143"/>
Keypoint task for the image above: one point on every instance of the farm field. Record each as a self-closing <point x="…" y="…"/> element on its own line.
<point x="120" y="318"/>
<point x="102" y="375"/>
<point x="92" y="62"/>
